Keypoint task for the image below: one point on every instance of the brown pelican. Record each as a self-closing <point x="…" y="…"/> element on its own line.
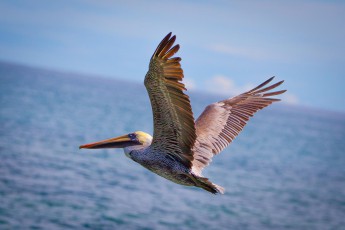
<point x="181" y="148"/>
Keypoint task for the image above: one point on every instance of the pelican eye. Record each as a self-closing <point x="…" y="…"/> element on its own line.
<point x="132" y="136"/>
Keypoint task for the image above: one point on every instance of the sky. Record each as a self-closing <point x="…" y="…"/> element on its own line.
<point x="226" y="46"/>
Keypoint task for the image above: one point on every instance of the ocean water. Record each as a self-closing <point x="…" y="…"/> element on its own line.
<point x="286" y="170"/>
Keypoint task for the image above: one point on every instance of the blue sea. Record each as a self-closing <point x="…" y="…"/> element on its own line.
<point x="286" y="170"/>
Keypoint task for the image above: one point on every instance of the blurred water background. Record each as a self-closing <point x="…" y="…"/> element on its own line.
<point x="286" y="170"/>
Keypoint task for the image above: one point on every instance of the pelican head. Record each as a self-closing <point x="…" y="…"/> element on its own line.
<point x="129" y="142"/>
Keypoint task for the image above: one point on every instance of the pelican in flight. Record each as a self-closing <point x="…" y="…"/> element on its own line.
<point x="181" y="148"/>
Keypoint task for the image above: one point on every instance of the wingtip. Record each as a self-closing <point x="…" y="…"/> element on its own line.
<point x="166" y="38"/>
<point x="281" y="82"/>
<point x="166" y="43"/>
<point x="169" y="35"/>
<point x="261" y="85"/>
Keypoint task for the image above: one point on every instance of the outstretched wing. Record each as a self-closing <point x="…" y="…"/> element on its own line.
<point x="174" y="129"/>
<point x="222" y="121"/>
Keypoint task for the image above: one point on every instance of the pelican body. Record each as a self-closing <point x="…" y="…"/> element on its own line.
<point x="181" y="147"/>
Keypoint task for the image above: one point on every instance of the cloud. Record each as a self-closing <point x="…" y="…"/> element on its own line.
<point x="289" y="98"/>
<point x="189" y="83"/>
<point x="221" y="84"/>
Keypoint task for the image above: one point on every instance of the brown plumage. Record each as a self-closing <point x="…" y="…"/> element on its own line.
<point x="180" y="149"/>
<point x="173" y="118"/>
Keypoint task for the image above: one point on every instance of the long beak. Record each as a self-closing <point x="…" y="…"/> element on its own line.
<point x="116" y="142"/>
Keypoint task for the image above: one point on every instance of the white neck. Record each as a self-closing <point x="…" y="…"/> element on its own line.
<point x="129" y="149"/>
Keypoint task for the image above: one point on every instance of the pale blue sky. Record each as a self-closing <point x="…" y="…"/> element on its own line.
<point x="226" y="46"/>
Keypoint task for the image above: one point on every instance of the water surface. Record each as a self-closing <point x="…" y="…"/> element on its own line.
<point x="284" y="171"/>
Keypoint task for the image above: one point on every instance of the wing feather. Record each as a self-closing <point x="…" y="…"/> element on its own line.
<point x="221" y="122"/>
<point x="174" y="128"/>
